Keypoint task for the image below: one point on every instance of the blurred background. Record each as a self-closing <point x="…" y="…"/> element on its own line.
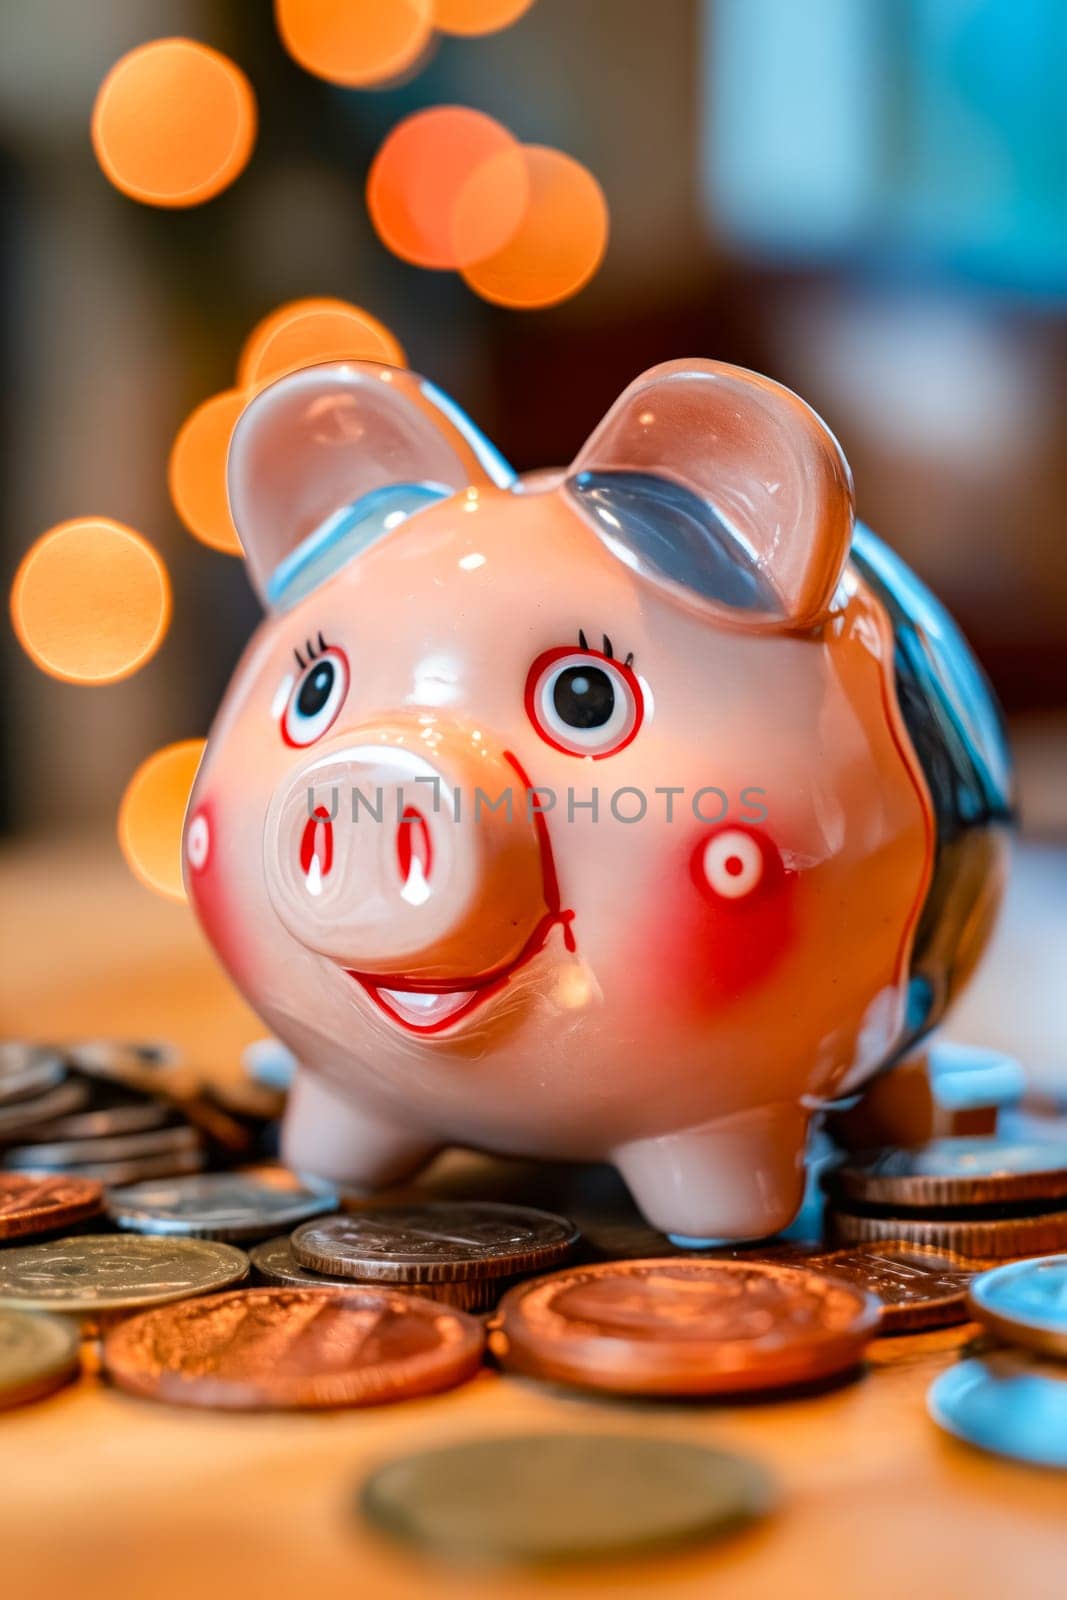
<point x="866" y="199"/>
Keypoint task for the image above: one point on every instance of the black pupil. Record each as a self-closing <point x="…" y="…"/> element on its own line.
<point x="315" y="690"/>
<point x="583" y="697"/>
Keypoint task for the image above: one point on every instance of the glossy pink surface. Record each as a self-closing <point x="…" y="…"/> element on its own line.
<point x="565" y="851"/>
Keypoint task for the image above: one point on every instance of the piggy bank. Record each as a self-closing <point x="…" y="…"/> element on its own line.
<point x="626" y="813"/>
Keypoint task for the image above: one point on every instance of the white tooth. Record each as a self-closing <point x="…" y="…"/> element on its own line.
<point x="416" y="890"/>
<point x="424" y="1009"/>
<point x="313" y="879"/>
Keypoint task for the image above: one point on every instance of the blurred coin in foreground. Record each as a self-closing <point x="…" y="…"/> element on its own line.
<point x="954" y="1172"/>
<point x="294" y="1348"/>
<point x="436" y="1242"/>
<point x="686" y="1327"/>
<point x="995" y="1238"/>
<point x="1010" y="1402"/>
<point x="222" y="1205"/>
<point x="37" y="1354"/>
<point x="45" y="1204"/>
<point x="1025" y="1302"/>
<point x="547" y="1497"/>
<point x="28" y="1069"/>
<point x="97" y="1273"/>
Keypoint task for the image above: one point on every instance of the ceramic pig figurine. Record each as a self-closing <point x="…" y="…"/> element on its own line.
<point x="626" y="813"/>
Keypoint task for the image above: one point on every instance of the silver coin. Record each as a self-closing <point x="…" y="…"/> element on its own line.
<point x="223" y="1205"/>
<point x="115" y="1058"/>
<point x="1010" y="1403"/>
<point x="19" y="1115"/>
<point x="1025" y="1302"/>
<point x="127" y="1147"/>
<point x="273" y="1262"/>
<point x="102" y="1122"/>
<point x="37" y="1354"/>
<point x="117" y="1174"/>
<point x="96" y="1273"/>
<point x="28" y="1069"/>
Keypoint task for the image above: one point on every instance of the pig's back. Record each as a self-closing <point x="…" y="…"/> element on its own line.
<point x="957" y="732"/>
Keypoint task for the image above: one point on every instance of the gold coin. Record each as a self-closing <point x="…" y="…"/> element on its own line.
<point x="543" y="1497"/>
<point x="37" y="1354"/>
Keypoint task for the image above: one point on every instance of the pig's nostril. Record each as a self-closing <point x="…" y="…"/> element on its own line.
<point x="316" y="848"/>
<point x="414" y="855"/>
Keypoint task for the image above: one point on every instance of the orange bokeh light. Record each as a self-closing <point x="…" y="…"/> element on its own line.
<point x="196" y="472"/>
<point x="561" y="237"/>
<point x="174" y="123"/>
<point x="91" y="601"/>
<point x="419" y="173"/>
<point x="306" y="331"/>
<point x="358" y="43"/>
<point x="477" y="16"/>
<point x="152" y="813"/>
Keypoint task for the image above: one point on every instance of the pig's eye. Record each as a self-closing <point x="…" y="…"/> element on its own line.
<point x="583" y="702"/>
<point x="316" y="698"/>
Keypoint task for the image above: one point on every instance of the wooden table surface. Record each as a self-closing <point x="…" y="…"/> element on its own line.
<point x="105" y="1495"/>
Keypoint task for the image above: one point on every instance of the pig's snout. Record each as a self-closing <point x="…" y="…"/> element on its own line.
<point x="408" y="852"/>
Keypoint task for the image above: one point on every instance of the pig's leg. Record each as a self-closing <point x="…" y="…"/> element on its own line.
<point x="329" y="1135"/>
<point x="741" y="1177"/>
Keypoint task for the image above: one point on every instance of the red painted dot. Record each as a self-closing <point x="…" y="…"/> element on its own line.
<point x="734" y="866"/>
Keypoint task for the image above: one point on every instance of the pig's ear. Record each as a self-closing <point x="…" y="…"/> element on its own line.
<point x="328" y="459"/>
<point x="723" y="487"/>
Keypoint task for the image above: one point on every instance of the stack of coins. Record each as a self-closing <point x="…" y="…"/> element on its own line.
<point x="461" y="1254"/>
<point x="124" y="1112"/>
<point x="985" y="1198"/>
<point x="1013" y="1402"/>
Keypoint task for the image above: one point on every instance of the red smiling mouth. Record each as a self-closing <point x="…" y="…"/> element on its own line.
<point x="426" y="1006"/>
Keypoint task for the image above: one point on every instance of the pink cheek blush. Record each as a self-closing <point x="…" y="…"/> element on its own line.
<point x="206" y="889"/>
<point x="729" y="924"/>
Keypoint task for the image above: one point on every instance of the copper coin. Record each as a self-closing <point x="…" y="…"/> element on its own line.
<point x="916" y="1287"/>
<point x="281" y="1349"/>
<point x="995" y="1238"/>
<point x="21" y="1115"/>
<point x="686" y="1327"/>
<point x="954" y="1172"/>
<point x="273" y="1261"/>
<point x="93" y="1275"/>
<point x="438" y="1242"/>
<point x="45" y="1204"/>
<point x="28" y="1069"/>
<point x="37" y="1354"/>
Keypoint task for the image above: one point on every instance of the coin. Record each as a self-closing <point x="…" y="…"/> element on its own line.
<point x="286" y="1348"/>
<point x="954" y="1172"/>
<point x="19" y="1115"/>
<point x="222" y="1205"/>
<point x="437" y="1242"/>
<point x="543" y="1496"/>
<point x="125" y="1147"/>
<point x="686" y="1327"/>
<point x="102" y="1122"/>
<point x="98" y="1273"/>
<point x="28" y="1069"/>
<point x="998" y="1238"/>
<point x="274" y="1262"/>
<point x="117" y="1174"/>
<point x="1010" y="1402"/>
<point x="37" y="1354"/>
<point x="42" y="1205"/>
<point x="916" y="1287"/>
<point x="1025" y="1302"/>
